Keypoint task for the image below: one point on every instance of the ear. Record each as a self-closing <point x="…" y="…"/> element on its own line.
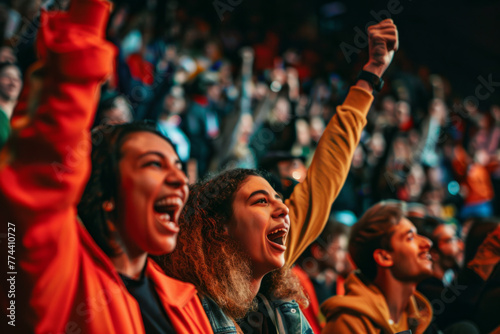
<point x="383" y="258"/>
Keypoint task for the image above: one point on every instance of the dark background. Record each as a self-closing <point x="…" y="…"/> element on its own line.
<point x="459" y="39"/>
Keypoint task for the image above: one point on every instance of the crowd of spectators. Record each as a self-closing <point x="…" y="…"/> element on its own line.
<point x="230" y="97"/>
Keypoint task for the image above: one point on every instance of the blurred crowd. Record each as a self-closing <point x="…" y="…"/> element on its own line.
<point x="234" y="98"/>
<point x="230" y="97"/>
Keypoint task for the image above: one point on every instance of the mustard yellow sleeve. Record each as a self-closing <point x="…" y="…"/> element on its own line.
<point x="311" y="200"/>
<point x="347" y="323"/>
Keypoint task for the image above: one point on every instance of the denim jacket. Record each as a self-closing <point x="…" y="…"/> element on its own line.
<point x="284" y="316"/>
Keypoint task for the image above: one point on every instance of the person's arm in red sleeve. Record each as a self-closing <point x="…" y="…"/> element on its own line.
<point x="45" y="165"/>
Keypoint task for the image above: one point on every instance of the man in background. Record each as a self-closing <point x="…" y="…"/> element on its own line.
<point x="392" y="259"/>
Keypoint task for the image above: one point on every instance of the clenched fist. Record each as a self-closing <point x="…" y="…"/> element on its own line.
<point x="382" y="42"/>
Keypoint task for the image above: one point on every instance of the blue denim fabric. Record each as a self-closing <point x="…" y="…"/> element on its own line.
<point x="221" y="323"/>
<point x="288" y="318"/>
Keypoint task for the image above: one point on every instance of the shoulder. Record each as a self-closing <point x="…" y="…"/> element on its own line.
<point x="171" y="290"/>
<point x="346" y="322"/>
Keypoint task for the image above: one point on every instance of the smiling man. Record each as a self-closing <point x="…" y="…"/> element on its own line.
<point x="392" y="259"/>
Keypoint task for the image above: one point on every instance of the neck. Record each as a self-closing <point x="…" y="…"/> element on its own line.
<point x="7" y="106"/>
<point x="255" y="285"/>
<point x="130" y="266"/>
<point x="397" y="294"/>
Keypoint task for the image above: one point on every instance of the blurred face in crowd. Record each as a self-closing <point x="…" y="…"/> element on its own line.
<point x="336" y="254"/>
<point x="377" y="144"/>
<point x="10" y="83"/>
<point x="120" y="113"/>
<point x="358" y="157"/>
<point x="7" y="55"/>
<point x="175" y="105"/>
<point x="260" y="225"/>
<point x="281" y="111"/>
<point x="411" y="261"/>
<point x="317" y="128"/>
<point x="451" y="248"/>
<point x="153" y="192"/>
<point x="403" y="112"/>
<point x="245" y="129"/>
<point x="303" y="134"/>
<point x="482" y="157"/>
<point x="292" y="169"/>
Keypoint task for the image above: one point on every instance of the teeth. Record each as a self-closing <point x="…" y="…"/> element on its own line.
<point x="278" y="230"/>
<point x="426" y="256"/>
<point x="165" y="217"/>
<point x="169" y="201"/>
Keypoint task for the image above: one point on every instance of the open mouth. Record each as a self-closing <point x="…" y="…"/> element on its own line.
<point x="166" y="210"/>
<point x="426" y="256"/>
<point x="278" y="237"/>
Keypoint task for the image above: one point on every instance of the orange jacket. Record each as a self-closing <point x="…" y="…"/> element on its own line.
<point x="64" y="283"/>
<point x="475" y="178"/>
<point x="311" y="312"/>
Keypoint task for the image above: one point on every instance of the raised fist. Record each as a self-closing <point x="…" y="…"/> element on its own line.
<point x="382" y="42"/>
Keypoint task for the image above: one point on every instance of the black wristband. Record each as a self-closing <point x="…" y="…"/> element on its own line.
<point x="375" y="81"/>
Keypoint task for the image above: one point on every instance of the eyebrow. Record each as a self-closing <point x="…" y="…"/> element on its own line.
<point x="410" y="231"/>
<point x="159" y="154"/>
<point x="263" y="192"/>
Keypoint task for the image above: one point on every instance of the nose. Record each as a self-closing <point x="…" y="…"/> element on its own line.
<point x="281" y="209"/>
<point x="425" y="242"/>
<point x="176" y="178"/>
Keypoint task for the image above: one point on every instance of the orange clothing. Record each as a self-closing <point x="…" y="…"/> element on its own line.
<point x="64" y="282"/>
<point x="475" y="177"/>
<point x="364" y="309"/>
<point x="312" y="311"/>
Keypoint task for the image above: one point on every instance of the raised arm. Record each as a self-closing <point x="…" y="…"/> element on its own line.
<point x="312" y="199"/>
<point x="45" y="164"/>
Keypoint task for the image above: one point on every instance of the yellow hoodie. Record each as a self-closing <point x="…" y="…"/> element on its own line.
<point x="364" y="310"/>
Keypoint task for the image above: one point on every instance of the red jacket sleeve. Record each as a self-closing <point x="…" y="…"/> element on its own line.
<point x="45" y="165"/>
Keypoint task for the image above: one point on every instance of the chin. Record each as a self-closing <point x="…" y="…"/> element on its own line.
<point x="278" y="264"/>
<point x="166" y="247"/>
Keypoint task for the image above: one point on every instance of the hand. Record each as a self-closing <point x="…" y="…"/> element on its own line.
<point x="382" y="41"/>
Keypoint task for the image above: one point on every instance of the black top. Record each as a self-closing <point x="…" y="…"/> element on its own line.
<point x="153" y="314"/>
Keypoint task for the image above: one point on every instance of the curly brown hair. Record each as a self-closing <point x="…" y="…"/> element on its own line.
<point x="209" y="258"/>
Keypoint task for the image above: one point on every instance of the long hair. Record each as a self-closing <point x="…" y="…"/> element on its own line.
<point x="107" y="142"/>
<point x="209" y="258"/>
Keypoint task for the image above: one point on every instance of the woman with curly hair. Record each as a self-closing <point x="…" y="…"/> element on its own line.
<point x="239" y="238"/>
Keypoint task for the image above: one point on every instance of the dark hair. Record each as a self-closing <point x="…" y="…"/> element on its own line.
<point x="332" y="230"/>
<point x="6" y="64"/>
<point x="374" y="231"/>
<point x="108" y="101"/>
<point x="208" y="257"/>
<point x="107" y="141"/>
